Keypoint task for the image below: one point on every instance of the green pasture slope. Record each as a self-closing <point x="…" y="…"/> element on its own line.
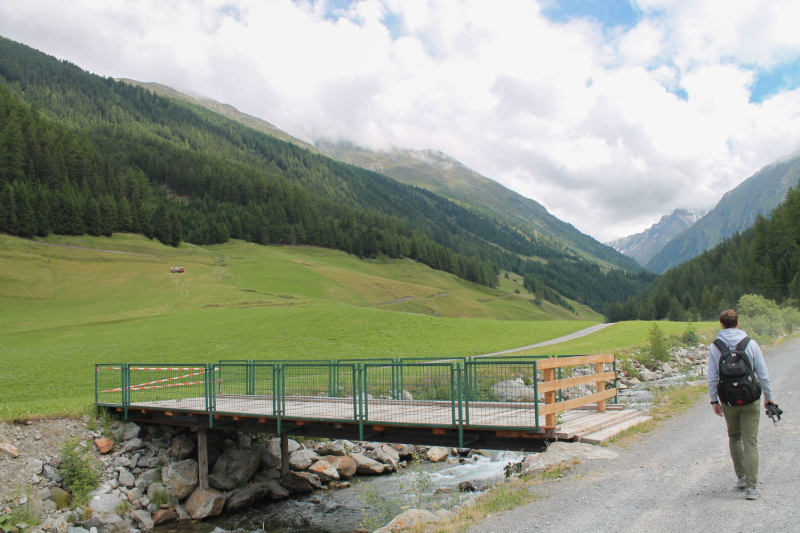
<point x="62" y="309"/>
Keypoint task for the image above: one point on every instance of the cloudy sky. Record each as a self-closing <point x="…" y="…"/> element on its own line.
<point x="609" y="112"/>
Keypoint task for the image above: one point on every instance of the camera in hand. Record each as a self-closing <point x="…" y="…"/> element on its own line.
<point x="773" y="411"/>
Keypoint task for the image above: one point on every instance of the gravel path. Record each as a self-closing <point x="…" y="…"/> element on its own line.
<point x="680" y="477"/>
<point x="576" y="335"/>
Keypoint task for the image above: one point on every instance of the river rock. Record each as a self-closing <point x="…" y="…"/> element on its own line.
<point x="204" y="503"/>
<point x="409" y="519"/>
<point x="165" y="516"/>
<point x="331" y="448"/>
<point x="104" y="445"/>
<point x="301" y="482"/>
<point x="34" y="466"/>
<point x="107" y="523"/>
<point x="513" y="390"/>
<point x="144" y="520"/>
<point x="159" y="460"/>
<point x="126" y="478"/>
<point x="11" y="450"/>
<point x="276" y="490"/>
<point x="180" y="478"/>
<point x="325" y="471"/>
<point x="127" y="431"/>
<point x="183" y="516"/>
<point x="154" y="489"/>
<point x="345" y="466"/>
<point x="633" y="381"/>
<point x="437" y="454"/>
<point x="104" y="503"/>
<point x="385" y="454"/>
<point x="133" y="444"/>
<point x="647" y="375"/>
<point x="561" y="452"/>
<point x="61" y="497"/>
<point x="136" y="494"/>
<point x="245" y="497"/>
<point x="366" y="466"/>
<point x="221" y="482"/>
<point x="244" y="441"/>
<point x="404" y="451"/>
<point x="182" y="446"/>
<point x="238" y="465"/>
<point x="272" y="457"/>
<point x="301" y="459"/>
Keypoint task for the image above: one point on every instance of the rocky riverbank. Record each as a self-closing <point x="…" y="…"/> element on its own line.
<point x="149" y="474"/>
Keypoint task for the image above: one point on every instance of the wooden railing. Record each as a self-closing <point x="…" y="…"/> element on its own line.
<point x="551" y="385"/>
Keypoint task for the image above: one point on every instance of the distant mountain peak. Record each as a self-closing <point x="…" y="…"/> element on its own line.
<point x="643" y="246"/>
<point x="736" y="211"/>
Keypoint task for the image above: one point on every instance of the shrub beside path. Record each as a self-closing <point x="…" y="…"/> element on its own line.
<point x="679" y="476"/>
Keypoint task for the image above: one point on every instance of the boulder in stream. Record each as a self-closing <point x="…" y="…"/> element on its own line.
<point x="204" y="503"/>
<point x="437" y="454"/>
<point x="366" y="466"/>
<point x="301" y="482"/>
<point x="246" y="496"/>
<point x="180" y="478"/>
<point x="237" y="465"/>
<point x="345" y="466"/>
<point x="325" y="471"/>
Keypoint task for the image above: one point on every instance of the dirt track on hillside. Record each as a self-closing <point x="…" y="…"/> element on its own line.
<point x="680" y="477"/>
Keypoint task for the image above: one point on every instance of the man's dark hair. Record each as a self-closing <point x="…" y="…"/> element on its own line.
<point x="729" y="318"/>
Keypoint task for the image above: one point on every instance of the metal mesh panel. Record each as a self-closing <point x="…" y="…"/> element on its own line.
<point x="109" y="384"/>
<point x="245" y="389"/>
<point x="501" y="394"/>
<point x="421" y="394"/>
<point x="170" y="387"/>
<point x="319" y="391"/>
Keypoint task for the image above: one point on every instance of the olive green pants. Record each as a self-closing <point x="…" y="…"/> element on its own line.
<point x="742" y="423"/>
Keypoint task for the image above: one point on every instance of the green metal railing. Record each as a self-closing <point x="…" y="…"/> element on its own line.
<point x="456" y="393"/>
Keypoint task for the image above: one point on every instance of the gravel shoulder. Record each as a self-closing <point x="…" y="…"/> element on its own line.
<point x="679" y="476"/>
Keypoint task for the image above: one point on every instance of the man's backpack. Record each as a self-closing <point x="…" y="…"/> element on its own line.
<point x="738" y="384"/>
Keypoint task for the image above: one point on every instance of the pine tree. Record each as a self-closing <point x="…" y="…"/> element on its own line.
<point x="26" y="220"/>
<point x="8" y="211"/>
<point x="91" y="218"/>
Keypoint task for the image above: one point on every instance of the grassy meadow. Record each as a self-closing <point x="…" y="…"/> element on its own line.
<point x="64" y="308"/>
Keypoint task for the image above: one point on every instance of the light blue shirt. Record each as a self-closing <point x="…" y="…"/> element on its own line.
<point x="731" y="337"/>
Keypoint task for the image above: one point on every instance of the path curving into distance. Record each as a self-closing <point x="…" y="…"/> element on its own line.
<point x="557" y="340"/>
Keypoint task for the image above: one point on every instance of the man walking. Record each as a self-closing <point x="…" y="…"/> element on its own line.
<point x="731" y="397"/>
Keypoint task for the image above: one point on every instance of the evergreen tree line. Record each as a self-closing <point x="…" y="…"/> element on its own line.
<point x="762" y="260"/>
<point x="203" y="178"/>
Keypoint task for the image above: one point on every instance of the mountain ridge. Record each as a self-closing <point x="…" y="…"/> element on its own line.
<point x="644" y="245"/>
<point x="736" y="211"/>
<point x="435" y="171"/>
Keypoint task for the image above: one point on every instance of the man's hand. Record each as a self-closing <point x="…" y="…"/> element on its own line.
<point x="767" y="402"/>
<point x="717" y="409"/>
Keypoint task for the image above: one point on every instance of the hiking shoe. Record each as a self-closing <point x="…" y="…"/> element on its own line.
<point x="742" y="483"/>
<point x="751" y="494"/>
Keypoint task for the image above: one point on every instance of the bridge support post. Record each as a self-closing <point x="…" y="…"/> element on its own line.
<point x="601" y="386"/>
<point x="202" y="458"/>
<point x="284" y="454"/>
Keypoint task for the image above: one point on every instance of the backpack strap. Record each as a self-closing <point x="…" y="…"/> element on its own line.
<point x="721" y="346"/>
<point x="743" y="344"/>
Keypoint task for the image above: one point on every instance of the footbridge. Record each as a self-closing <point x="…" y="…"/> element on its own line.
<point x="516" y="403"/>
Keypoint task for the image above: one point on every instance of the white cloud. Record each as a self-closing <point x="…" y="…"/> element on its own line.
<point x="593" y="122"/>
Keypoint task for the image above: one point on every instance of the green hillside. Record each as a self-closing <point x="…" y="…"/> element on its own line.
<point x="89" y="155"/>
<point x="67" y="305"/>
<point x="756" y="196"/>
<point x="440" y="173"/>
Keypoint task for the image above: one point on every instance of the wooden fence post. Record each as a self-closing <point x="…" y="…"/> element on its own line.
<point x="601" y="386"/>
<point x="284" y="454"/>
<point x="549" y="397"/>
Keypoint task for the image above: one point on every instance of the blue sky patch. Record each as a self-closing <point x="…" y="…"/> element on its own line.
<point x="783" y="77"/>
<point x="609" y="12"/>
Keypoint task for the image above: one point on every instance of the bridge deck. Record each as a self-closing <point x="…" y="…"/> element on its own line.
<point x="483" y="415"/>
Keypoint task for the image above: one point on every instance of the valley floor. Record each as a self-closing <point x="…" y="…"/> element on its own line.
<point x="679" y="477"/>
